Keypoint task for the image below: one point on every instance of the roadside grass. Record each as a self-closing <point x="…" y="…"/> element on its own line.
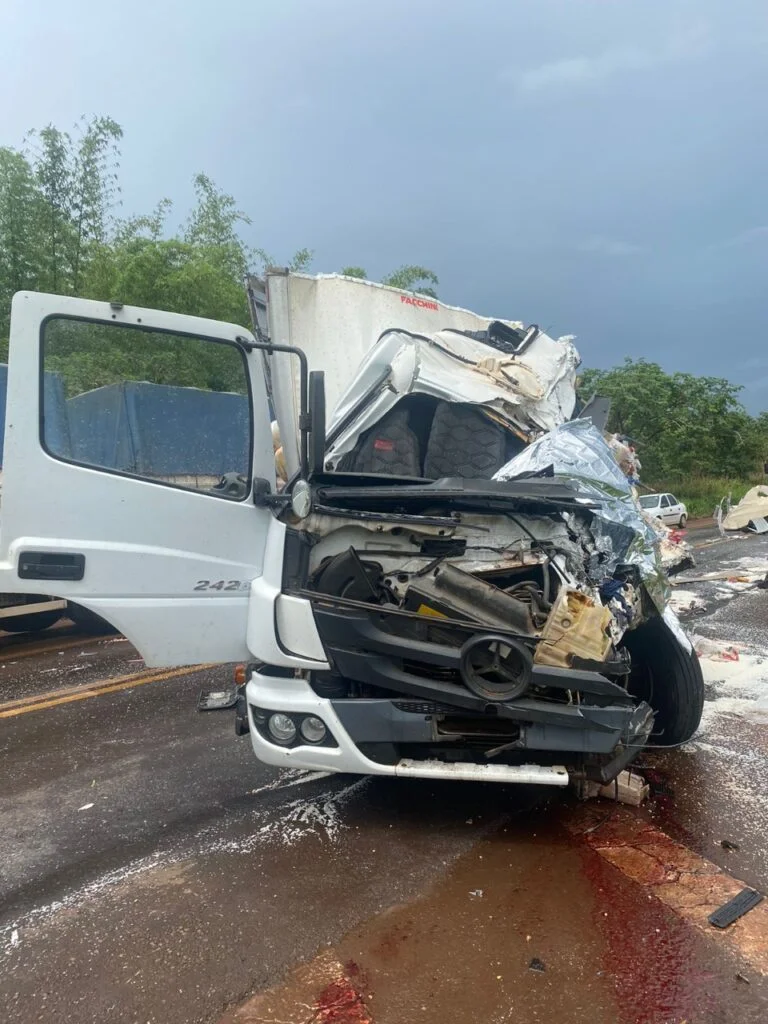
<point x="701" y="494"/>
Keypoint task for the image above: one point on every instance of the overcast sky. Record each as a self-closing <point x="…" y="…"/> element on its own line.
<point x="598" y="167"/>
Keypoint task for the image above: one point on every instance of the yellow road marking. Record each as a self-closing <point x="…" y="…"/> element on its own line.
<point x="12" y="708"/>
<point x="77" y="688"/>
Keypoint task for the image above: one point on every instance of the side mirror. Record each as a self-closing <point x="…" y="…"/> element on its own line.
<point x="316" y="410"/>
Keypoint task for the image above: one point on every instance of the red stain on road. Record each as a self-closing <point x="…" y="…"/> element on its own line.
<point x="651" y="954"/>
<point x="340" y="1003"/>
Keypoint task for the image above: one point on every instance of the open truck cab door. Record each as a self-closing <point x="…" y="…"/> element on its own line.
<point x="120" y="496"/>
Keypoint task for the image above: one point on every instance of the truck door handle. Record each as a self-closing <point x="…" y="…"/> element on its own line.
<point x="51" y="565"/>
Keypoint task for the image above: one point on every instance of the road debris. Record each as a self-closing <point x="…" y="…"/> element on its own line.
<point x="685" y="601"/>
<point x="750" y="513"/>
<point x="731" y="911"/>
<point x="712" y="650"/>
<point x="537" y="966"/>
<point x="212" y="699"/>
<point x="627" y="788"/>
<point x="85" y="807"/>
<point x="686" y="883"/>
<point x="728" y="845"/>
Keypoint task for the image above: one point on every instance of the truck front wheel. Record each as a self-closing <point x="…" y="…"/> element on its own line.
<point x="669" y="678"/>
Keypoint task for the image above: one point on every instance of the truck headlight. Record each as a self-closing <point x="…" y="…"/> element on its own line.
<point x="313" y="729"/>
<point x="281" y="728"/>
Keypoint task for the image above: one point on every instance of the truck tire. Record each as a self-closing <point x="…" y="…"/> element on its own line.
<point x="669" y="678"/>
<point x="30" y="623"/>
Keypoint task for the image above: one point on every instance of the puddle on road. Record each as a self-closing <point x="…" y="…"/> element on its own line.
<point x="530" y="925"/>
<point x="656" y="963"/>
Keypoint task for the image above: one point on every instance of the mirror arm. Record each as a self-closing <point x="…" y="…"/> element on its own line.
<point x="264" y="498"/>
<point x="304" y="418"/>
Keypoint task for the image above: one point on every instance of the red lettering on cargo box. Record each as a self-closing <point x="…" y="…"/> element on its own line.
<point x="414" y="300"/>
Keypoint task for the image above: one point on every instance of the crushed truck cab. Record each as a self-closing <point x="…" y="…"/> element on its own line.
<point x="453" y="580"/>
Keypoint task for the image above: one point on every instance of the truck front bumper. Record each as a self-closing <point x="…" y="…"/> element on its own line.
<point x="354" y="722"/>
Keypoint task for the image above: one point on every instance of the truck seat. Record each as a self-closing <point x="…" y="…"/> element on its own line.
<point x="464" y="442"/>
<point x="391" y="448"/>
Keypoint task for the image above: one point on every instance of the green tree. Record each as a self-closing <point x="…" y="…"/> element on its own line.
<point x="413" y="279"/>
<point x="407" y="279"/>
<point x="20" y="256"/>
<point x="212" y="228"/>
<point x="297" y="264"/>
<point x="94" y="186"/>
<point x="683" y="424"/>
<point x="57" y="233"/>
<point x="55" y="201"/>
<point x="54" y="175"/>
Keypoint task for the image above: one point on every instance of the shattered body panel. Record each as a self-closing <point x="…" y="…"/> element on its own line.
<point x="492" y="617"/>
<point x="530" y="391"/>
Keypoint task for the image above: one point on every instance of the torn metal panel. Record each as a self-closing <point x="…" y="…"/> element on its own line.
<point x="528" y="393"/>
<point x="577" y="452"/>
<point x="674" y="552"/>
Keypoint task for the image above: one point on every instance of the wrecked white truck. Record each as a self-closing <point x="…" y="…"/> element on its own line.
<point x="454" y="581"/>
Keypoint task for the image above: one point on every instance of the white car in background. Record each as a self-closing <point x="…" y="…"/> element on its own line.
<point x="665" y="507"/>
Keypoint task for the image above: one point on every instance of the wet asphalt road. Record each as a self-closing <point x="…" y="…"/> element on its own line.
<point x="152" y="871"/>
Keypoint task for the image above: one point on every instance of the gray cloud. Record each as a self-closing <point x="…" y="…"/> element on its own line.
<point x="691" y="44"/>
<point x="609" y="246"/>
<point x="747" y="237"/>
<point x="575" y="174"/>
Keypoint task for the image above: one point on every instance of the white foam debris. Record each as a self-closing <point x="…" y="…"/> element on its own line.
<point x="685" y="601"/>
<point x="290" y="777"/>
<point x="76" y="898"/>
<point x="737" y="680"/>
<point x="749" y="562"/>
<point x="319" y="817"/>
<point x="307" y="776"/>
<point x="729" y="740"/>
<point x="316" y="817"/>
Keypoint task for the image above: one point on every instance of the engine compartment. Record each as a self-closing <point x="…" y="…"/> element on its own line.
<point x="503" y="632"/>
<point x="537" y="579"/>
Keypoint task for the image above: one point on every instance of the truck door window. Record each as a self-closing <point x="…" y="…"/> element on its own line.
<point x="170" y="408"/>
